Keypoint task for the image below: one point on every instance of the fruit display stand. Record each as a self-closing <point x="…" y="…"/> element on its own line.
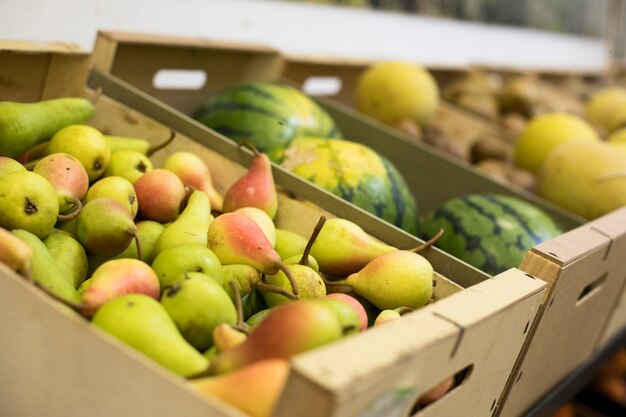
<point x="475" y="330"/>
<point x="566" y="262"/>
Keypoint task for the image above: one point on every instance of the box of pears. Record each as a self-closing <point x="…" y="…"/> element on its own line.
<point x="155" y="268"/>
<point x="240" y="92"/>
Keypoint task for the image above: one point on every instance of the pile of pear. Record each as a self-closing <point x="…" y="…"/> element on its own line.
<point x="202" y="283"/>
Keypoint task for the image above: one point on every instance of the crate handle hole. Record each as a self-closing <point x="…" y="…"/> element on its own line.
<point x="322" y="86"/>
<point x="591" y="289"/>
<point x="178" y="79"/>
<point x="441" y="390"/>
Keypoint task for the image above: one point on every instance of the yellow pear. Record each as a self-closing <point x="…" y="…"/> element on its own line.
<point x="586" y="178"/>
<point x="600" y="104"/>
<point x="546" y="132"/>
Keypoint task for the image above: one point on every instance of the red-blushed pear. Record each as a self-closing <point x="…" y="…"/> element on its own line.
<point x="396" y="279"/>
<point x="254" y="389"/>
<point x="68" y="177"/>
<point x="255" y="189"/>
<point x="116" y="278"/>
<point x="160" y="194"/>
<point x="105" y="228"/>
<point x="262" y="220"/>
<point x="356" y="306"/>
<point x="287" y="330"/>
<point x="192" y="170"/>
<point x="236" y="239"/>
<point x="436" y="392"/>
<point x="117" y="188"/>
<point x="15" y="253"/>
<point x="8" y="165"/>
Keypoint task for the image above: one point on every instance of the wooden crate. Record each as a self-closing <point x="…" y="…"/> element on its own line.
<point x="56" y="363"/>
<point x="418" y="163"/>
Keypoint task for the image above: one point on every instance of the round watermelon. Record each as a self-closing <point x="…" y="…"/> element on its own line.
<point x="270" y="115"/>
<point x="491" y="232"/>
<point x="357" y="174"/>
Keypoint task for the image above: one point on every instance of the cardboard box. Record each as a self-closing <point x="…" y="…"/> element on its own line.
<point x="566" y="274"/>
<point x="61" y="365"/>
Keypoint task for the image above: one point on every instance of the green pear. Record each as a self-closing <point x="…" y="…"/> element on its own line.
<point x="123" y="143"/>
<point x="117" y="188"/>
<point x="68" y="226"/>
<point x="174" y="262"/>
<point x="105" y="227"/>
<point x="68" y="254"/>
<point x="255" y="319"/>
<point x="343" y="248"/>
<point x="142" y="323"/>
<point x="15" y="254"/>
<point x="29" y="202"/>
<point x="197" y="305"/>
<point x="45" y="271"/>
<point x="262" y="220"/>
<point x="395" y="279"/>
<point x="242" y="275"/>
<point x="86" y="144"/>
<point x="23" y="125"/>
<point x="190" y="226"/>
<point x="310" y="285"/>
<point x="128" y="164"/>
<point x="311" y="262"/>
<point x="346" y="315"/>
<point x="385" y="316"/>
<point x="8" y="165"/>
<point x="289" y="244"/>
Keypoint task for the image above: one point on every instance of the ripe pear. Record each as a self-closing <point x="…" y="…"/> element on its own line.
<point x="254" y="389"/>
<point x="226" y="337"/>
<point x="171" y="264"/>
<point x="588" y="179"/>
<point x="197" y="305"/>
<point x="191" y="226"/>
<point x="288" y="243"/>
<point x="29" y="202"/>
<point x="310" y="285"/>
<point x="350" y="321"/>
<point x="287" y="330"/>
<point x="601" y="103"/>
<point x="236" y="239"/>
<point x="395" y="279"/>
<point x="192" y="170"/>
<point x="68" y="254"/>
<point x="68" y="177"/>
<point x="544" y="133"/>
<point x="23" y="125"/>
<point x="355" y="305"/>
<point x="262" y="220"/>
<point x="86" y="144"/>
<point x="128" y="164"/>
<point x="385" y="316"/>
<point x="343" y="248"/>
<point x="8" y="165"/>
<point x="255" y="189"/>
<point x="160" y="194"/>
<point x="15" y="253"/>
<point x="142" y="323"/>
<point x="45" y="271"/>
<point x="117" y="188"/>
<point x="119" y="277"/>
<point x="105" y="227"/>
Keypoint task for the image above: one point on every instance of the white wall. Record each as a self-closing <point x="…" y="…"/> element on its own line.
<point x="303" y="29"/>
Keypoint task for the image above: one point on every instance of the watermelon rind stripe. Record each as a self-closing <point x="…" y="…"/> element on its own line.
<point x="515" y="214"/>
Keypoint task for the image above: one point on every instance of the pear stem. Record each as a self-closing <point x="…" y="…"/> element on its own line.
<point x="316" y="231"/>
<point x="261" y="286"/>
<point x="155" y="148"/>
<point x="292" y="280"/>
<point x="72" y="215"/>
<point x="249" y="145"/>
<point x="137" y="241"/>
<point x="96" y="96"/>
<point x="403" y="310"/>
<point x="238" y="303"/>
<point x="82" y="309"/>
<point x="341" y="282"/>
<point x="428" y="243"/>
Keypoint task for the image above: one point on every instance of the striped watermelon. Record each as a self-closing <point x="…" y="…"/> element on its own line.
<point x="491" y="232"/>
<point x="268" y="115"/>
<point x="357" y="174"/>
